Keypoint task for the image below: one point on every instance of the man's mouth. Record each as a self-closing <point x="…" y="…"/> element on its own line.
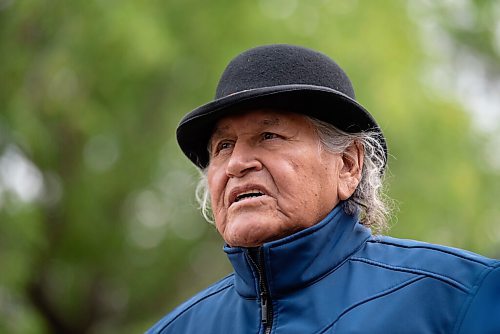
<point x="248" y="194"/>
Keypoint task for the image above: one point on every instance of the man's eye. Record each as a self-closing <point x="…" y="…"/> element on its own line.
<point x="269" y="135"/>
<point x="223" y="146"/>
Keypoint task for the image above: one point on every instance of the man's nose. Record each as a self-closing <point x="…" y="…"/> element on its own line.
<point x="243" y="160"/>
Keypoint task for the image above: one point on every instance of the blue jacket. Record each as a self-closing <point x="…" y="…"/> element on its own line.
<point x="335" y="277"/>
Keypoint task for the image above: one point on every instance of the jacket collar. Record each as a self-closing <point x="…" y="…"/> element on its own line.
<point x="301" y="258"/>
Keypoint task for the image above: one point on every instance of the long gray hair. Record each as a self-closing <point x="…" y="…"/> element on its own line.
<point x="369" y="197"/>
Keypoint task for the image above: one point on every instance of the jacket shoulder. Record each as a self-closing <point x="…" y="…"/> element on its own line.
<point x="202" y="296"/>
<point x="460" y="268"/>
<point x="481" y="314"/>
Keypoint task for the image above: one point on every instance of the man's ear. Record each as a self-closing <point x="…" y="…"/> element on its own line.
<point x="350" y="170"/>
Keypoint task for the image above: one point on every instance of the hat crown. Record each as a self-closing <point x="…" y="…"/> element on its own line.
<point x="280" y="65"/>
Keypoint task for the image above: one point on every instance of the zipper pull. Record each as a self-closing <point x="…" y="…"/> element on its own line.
<point x="263" y="308"/>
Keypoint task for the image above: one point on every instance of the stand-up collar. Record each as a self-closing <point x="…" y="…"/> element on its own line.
<point x="300" y="258"/>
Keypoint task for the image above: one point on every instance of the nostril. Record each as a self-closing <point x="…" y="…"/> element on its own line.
<point x="240" y="167"/>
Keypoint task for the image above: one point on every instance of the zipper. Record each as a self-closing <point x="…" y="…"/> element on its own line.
<point x="256" y="256"/>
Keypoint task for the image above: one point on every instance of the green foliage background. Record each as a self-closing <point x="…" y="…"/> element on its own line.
<point x="99" y="230"/>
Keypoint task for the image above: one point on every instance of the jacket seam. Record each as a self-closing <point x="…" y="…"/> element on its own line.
<point x="194" y="304"/>
<point x="376" y="296"/>
<point x="429" y="248"/>
<point x="443" y="278"/>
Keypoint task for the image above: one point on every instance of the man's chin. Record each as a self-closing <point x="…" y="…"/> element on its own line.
<point x="249" y="230"/>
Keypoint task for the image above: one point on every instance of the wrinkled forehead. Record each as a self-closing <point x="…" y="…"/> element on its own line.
<point x="259" y="120"/>
<point x="265" y="121"/>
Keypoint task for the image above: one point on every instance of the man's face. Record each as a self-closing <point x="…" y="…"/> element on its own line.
<point x="268" y="177"/>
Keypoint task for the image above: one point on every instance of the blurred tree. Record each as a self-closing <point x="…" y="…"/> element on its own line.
<point x="461" y="40"/>
<point x="99" y="230"/>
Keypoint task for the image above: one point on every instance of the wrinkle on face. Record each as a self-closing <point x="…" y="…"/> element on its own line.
<point x="302" y="181"/>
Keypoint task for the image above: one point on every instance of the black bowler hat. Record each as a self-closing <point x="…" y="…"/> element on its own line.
<point x="283" y="77"/>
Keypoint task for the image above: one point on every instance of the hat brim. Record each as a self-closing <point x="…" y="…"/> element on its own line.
<point x="326" y="104"/>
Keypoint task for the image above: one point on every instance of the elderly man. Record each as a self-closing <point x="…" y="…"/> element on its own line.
<point x="293" y="169"/>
